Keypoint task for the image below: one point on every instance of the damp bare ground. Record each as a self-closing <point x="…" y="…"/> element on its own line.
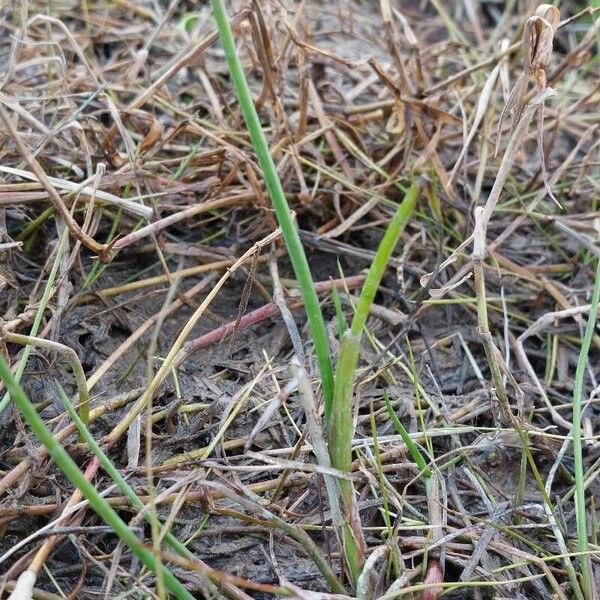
<point x="129" y="190"/>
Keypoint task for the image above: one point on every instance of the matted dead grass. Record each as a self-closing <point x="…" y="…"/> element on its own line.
<point x="128" y="188"/>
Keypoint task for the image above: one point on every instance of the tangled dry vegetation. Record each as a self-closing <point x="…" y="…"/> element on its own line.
<point x="129" y="190"/>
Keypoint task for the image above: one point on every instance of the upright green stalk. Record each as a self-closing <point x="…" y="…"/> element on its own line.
<point x="282" y="210"/>
<point x="67" y="465"/>
<point x="341" y="422"/>
<point x="582" y="538"/>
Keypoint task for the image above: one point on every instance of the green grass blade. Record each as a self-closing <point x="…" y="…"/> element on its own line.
<point x="282" y="210"/>
<point x="122" y="485"/>
<point x="382" y="257"/>
<point x="582" y="539"/>
<point x="341" y="423"/>
<point x="66" y="464"/>
<point x="339" y="312"/>
<point x="413" y="449"/>
<point x="340" y="430"/>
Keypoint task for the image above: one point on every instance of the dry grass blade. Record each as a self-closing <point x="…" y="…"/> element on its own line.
<point x="480" y="112"/>
<point x="57" y="201"/>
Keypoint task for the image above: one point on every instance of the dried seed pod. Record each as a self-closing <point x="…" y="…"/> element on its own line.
<point x="550" y="13"/>
<point x="538" y="39"/>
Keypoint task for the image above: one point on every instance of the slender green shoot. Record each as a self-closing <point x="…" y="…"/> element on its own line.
<point x="282" y="210"/>
<point x="339" y="312"/>
<point x="67" y="465"/>
<point x="413" y="449"/>
<point x="34" y="225"/>
<point x="70" y="355"/>
<point x="341" y="422"/>
<point x="385" y="512"/>
<point x="114" y="473"/>
<point x="582" y="538"/>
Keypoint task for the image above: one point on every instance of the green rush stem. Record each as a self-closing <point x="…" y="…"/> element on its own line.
<point x="384" y="252"/>
<point x="341" y="423"/>
<point x="67" y="465"/>
<point x="282" y="210"/>
<point x="582" y="539"/>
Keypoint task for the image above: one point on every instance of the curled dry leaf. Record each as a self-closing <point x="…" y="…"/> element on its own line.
<point x="537" y="47"/>
<point x="550" y="13"/>
<point x="395" y="124"/>
<point x="418" y="106"/>
<point x="153" y="134"/>
<point x="436" y="114"/>
<point x="437" y="293"/>
<point x="145" y="123"/>
<point x="409" y="34"/>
